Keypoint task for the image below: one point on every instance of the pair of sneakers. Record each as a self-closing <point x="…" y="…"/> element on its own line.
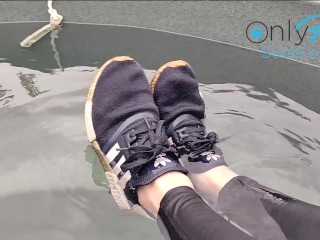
<point x="129" y="123"/>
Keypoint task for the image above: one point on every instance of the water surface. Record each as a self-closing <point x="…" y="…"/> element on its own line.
<point x="52" y="186"/>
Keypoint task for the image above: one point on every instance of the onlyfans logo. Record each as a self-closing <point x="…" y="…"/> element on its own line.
<point x="258" y="32"/>
<point x="314" y="29"/>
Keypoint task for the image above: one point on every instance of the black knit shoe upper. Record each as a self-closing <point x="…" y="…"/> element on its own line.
<point x="120" y="93"/>
<point x="180" y="104"/>
<point x="176" y="92"/>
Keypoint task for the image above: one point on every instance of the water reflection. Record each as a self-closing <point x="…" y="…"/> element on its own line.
<point x="5" y="96"/>
<point x="75" y="214"/>
<point x="56" y="54"/>
<point x="265" y="108"/>
<point x="98" y="175"/>
<point x="263" y="94"/>
<point x="266" y="138"/>
<point x="28" y="82"/>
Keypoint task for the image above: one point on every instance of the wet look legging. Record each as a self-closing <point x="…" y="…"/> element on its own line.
<point x="298" y="220"/>
<point x="187" y="217"/>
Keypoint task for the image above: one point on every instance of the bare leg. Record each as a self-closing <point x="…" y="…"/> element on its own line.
<point x="151" y="195"/>
<point x="213" y="180"/>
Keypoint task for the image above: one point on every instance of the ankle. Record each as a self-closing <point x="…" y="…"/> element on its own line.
<point x="220" y="176"/>
<point x="151" y="195"/>
<point x="210" y="183"/>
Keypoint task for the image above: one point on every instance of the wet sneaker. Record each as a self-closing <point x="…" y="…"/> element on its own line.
<point x="123" y="126"/>
<point x="176" y="93"/>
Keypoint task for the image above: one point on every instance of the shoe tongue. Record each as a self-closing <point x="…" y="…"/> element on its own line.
<point x="141" y="129"/>
<point x="188" y="123"/>
<point x="179" y="131"/>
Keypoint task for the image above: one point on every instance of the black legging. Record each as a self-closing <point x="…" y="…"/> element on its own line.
<point x="298" y="220"/>
<point x="187" y="217"/>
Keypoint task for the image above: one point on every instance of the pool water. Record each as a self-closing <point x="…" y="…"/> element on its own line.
<point x="266" y="112"/>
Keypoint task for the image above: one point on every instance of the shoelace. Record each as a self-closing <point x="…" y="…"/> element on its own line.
<point x="140" y="154"/>
<point x="192" y="140"/>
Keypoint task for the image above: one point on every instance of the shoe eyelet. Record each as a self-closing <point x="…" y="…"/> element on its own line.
<point x="130" y="133"/>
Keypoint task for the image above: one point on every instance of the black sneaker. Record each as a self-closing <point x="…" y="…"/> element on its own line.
<point x="176" y="93"/>
<point x="123" y="126"/>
